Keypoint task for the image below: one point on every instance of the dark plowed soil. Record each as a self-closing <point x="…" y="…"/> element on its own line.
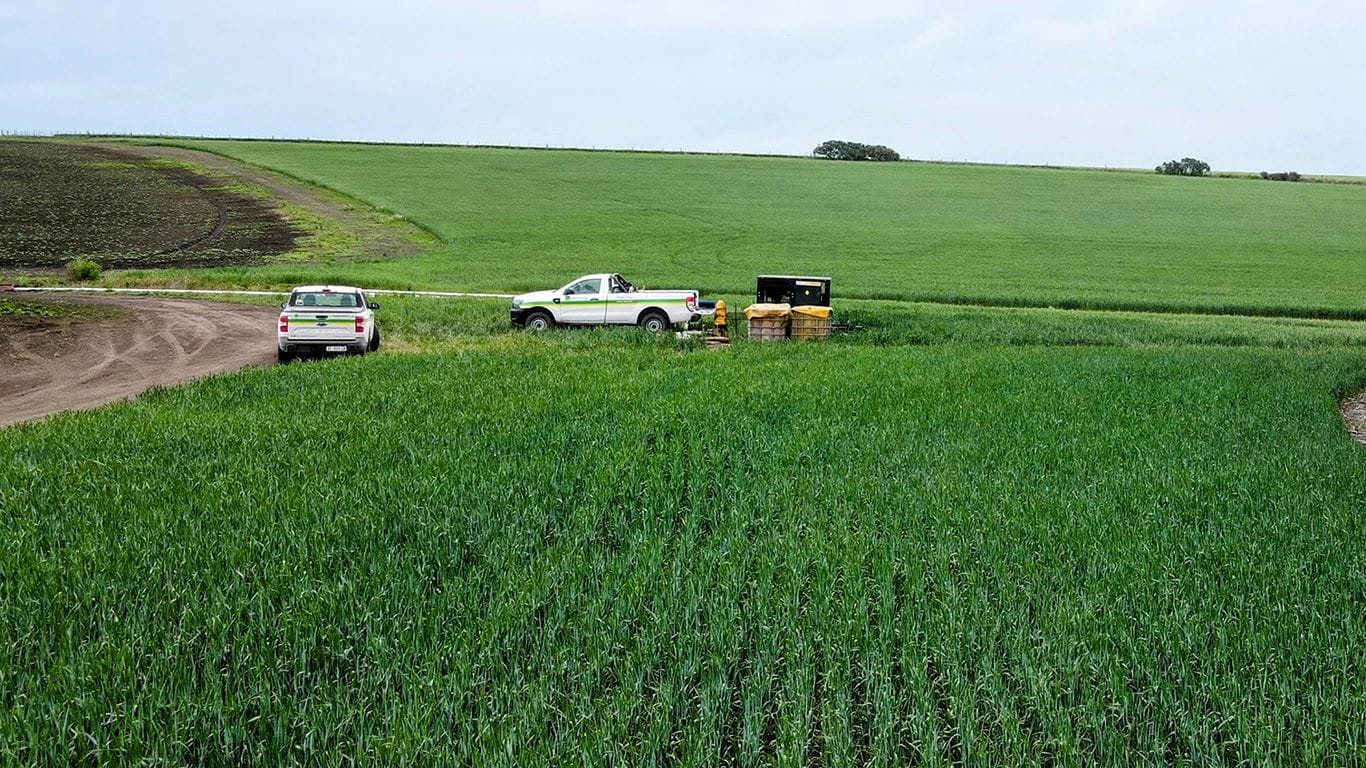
<point x="369" y="234"/>
<point x="59" y="201"/>
<point x="1354" y="415"/>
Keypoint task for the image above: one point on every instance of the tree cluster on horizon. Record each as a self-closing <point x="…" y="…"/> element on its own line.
<point x="1282" y="176"/>
<point x="1186" y="166"/>
<point x="853" y="150"/>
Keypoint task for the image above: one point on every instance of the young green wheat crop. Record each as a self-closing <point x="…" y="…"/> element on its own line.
<point x="829" y="555"/>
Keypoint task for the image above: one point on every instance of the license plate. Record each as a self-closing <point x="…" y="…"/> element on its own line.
<point x="335" y="348"/>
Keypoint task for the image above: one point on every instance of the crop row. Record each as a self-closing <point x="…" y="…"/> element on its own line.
<point x="439" y="324"/>
<point x="822" y="554"/>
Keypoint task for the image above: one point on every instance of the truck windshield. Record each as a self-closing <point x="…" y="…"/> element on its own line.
<point x="325" y="300"/>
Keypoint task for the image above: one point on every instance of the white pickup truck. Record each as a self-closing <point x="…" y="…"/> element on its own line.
<point x="605" y="299"/>
<point x="327" y="318"/>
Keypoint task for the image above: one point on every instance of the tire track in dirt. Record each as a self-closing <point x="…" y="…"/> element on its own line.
<point x="220" y="221"/>
<point x="372" y="240"/>
<point x="155" y="342"/>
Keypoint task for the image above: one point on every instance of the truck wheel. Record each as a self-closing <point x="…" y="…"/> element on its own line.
<point x="655" y="321"/>
<point x="539" y="321"/>
<point x="284" y="358"/>
<point x="374" y="340"/>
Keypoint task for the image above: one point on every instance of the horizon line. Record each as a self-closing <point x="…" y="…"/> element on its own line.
<point x="1315" y="178"/>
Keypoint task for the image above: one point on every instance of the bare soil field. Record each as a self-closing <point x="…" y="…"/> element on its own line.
<point x="87" y="352"/>
<point x="129" y="206"/>
<point x="124" y="209"/>
<point x="370" y="233"/>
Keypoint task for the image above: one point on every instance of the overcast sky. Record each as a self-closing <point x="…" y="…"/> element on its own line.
<point x="1245" y="86"/>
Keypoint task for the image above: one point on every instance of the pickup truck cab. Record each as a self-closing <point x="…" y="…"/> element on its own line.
<point x="322" y="319"/>
<point x="604" y="299"/>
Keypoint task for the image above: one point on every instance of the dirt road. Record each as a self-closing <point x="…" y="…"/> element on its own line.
<point x="152" y="342"/>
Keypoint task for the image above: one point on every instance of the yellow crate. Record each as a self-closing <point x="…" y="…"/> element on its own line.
<point x="811" y="323"/>
<point x="767" y="328"/>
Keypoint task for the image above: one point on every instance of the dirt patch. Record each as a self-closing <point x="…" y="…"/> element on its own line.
<point x="102" y="350"/>
<point x="362" y="232"/>
<point x="1353" y="411"/>
<point x="22" y="314"/>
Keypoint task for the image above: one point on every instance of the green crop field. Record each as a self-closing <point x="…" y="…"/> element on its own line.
<point x="516" y="220"/>
<point x="843" y="554"/>
<point x="966" y="536"/>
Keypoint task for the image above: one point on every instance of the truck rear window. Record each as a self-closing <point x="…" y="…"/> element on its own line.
<point x="321" y="300"/>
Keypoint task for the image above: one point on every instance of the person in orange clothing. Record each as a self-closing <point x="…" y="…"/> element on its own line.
<point x="720" y="319"/>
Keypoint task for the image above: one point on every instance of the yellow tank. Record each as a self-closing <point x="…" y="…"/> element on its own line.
<point x="811" y="323"/>
<point x="768" y="322"/>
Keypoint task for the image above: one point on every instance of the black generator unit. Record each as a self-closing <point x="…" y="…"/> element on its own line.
<point x="797" y="291"/>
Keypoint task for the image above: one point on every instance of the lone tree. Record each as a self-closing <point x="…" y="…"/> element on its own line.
<point x="1186" y="166"/>
<point x="853" y="150"/>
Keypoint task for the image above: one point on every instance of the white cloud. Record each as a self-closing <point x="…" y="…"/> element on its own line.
<point x="1252" y="85"/>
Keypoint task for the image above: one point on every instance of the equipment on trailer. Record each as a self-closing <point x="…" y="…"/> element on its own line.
<point x="793" y="290"/>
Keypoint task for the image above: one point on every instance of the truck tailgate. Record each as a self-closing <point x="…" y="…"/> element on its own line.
<point x="309" y="327"/>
